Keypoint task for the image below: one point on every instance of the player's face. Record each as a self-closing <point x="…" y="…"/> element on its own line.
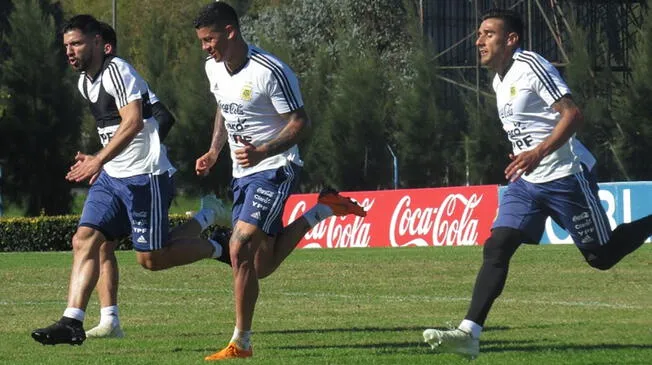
<point x="213" y="42"/>
<point x="80" y="49"/>
<point x="493" y="43"/>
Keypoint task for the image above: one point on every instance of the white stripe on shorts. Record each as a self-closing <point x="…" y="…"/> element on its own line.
<point x="283" y="192"/>
<point x="601" y="225"/>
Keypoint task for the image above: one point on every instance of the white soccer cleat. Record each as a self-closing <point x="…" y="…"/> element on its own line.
<point x="105" y="331"/>
<point x="455" y="341"/>
<point x="211" y="202"/>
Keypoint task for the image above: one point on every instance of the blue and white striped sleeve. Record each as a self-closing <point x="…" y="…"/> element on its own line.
<point x="545" y="78"/>
<point x="122" y="82"/>
<point x="282" y="86"/>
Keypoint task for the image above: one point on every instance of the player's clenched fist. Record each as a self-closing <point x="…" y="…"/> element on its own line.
<point x="205" y="162"/>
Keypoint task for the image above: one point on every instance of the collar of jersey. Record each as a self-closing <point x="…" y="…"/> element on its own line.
<point x="235" y="72"/>
<point x="105" y="61"/>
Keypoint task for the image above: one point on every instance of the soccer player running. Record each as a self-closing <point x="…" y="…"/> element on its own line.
<point x="545" y="176"/>
<point x="260" y="113"/>
<point x="131" y="179"/>
<point x="107" y="284"/>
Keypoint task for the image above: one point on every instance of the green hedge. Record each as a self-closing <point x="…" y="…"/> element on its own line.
<point x="52" y="233"/>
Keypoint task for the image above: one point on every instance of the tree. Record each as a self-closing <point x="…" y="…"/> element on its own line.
<point x="486" y="143"/>
<point x="591" y="91"/>
<point x="40" y="128"/>
<point x="427" y="137"/>
<point x="347" y="55"/>
<point x="633" y="109"/>
<point x="358" y="117"/>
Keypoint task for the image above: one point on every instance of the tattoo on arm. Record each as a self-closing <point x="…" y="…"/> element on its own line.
<point x="219" y="132"/>
<point x="293" y="133"/>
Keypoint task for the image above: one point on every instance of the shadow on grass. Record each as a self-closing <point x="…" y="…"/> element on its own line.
<point x="485" y="348"/>
<point x="528" y="346"/>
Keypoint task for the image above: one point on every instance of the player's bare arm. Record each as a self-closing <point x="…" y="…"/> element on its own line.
<point x="207" y="160"/>
<point x="569" y="123"/>
<point x="131" y="124"/>
<point x="296" y="129"/>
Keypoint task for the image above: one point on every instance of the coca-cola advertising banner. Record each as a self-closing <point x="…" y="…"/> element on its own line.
<point x="456" y="216"/>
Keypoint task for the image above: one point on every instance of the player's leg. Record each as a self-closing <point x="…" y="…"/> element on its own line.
<point x="519" y="218"/>
<point x="211" y="210"/>
<point x="99" y="220"/>
<point x="107" y="292"/>
<point x="583" y="216"/>
<point x="257" y="204"/>
<point x="245" y="240"/>
<point x="147" y="203"/>
<point x="276" y="249"/>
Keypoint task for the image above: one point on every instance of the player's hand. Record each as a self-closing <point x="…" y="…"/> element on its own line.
<point x="524" y="163"/>
<point x="86" y="167"/>
<point x="249" y="155"/>
<point x="205" y="162"/>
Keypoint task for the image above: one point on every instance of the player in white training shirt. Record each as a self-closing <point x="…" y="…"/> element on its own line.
<point x="546" y="177"/>
<point x="131" y="180"/>
<point x="107" y="285"/>
<point x="260" y="112"/>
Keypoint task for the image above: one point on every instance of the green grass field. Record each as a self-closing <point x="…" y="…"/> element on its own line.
<point x="345" y="306"/>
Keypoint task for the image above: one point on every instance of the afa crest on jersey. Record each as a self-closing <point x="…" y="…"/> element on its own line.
<point x="246" y="93"/>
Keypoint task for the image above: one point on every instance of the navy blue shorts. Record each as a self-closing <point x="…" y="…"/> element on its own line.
<point x="259" y="198"/>
<point x="571" y="201"/>
<point x="136" y="205"/>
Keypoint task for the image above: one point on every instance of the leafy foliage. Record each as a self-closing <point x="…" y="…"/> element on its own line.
<point x="54" y="233"/>
<point x="486" y="143"/>
<point x="592" y="92"/>
<point x="633" y="109"/>
<point x="40" y="128"/>
<point x="367" y="80"/>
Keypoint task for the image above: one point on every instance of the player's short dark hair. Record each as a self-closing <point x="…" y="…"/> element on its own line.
<point x="108" y="34"/>
<point x="84" y="23"/>
<point x="512" y="20"/>
<point x="217" y="15"/>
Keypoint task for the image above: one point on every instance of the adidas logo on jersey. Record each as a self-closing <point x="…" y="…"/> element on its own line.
<point x="255" y="215"/>
<point x="141" y="239"/>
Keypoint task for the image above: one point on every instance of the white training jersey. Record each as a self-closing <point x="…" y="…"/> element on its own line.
<point x="524" y="98"/>
<point x="153" y="99"/>
<point x="251" y="101"/>
<point x="583" y="153"/>
<point x="116" y="85"/>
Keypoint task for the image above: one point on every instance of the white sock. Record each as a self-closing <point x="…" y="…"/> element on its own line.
<point x="217" y="249"/>
<point x="74" y="313"/>
<point x="205" y="217"/>
<point x="471" y="327"/>
<point x="109" y="316"/>
<point x="242" y="338"/>
<point x="317" y="214"/>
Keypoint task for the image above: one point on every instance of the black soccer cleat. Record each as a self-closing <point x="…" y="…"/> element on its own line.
<point x="62" y="331"/>
<point x="222" y="235"/>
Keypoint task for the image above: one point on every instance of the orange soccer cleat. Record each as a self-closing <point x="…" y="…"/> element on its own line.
<point x="341" y="205"/>
<point x="232" y="351"/>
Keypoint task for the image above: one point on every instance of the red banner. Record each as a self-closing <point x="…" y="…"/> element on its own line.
<point x="457" y="216"/>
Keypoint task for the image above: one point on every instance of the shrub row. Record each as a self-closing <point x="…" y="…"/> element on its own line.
<point x="52" y="233"/>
